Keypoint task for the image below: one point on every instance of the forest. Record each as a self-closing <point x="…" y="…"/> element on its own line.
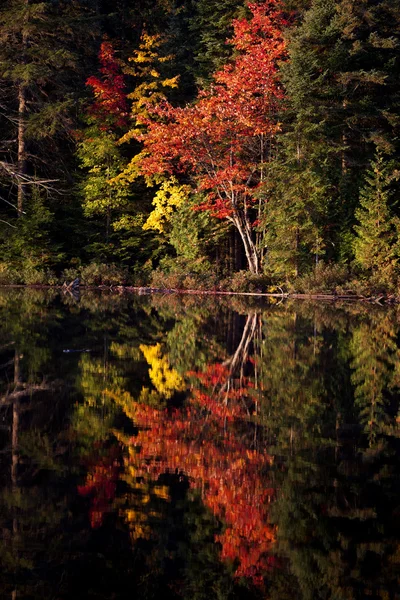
<point x="200" y="144"/>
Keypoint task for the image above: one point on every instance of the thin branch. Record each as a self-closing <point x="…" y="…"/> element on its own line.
<point x="7" y="223"/>
<point x="26" y="179"/>
<point x="11" y="204"/>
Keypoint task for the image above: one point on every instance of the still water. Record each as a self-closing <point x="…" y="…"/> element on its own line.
<point x="188" y="447"/>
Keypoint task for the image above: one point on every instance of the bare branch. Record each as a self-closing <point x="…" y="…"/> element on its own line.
<point x="11" y="171"/>
<point x="7" y="223"/>
<point x="11" y="204"/>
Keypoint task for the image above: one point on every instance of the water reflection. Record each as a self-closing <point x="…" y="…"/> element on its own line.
<point x="176" y="447"/>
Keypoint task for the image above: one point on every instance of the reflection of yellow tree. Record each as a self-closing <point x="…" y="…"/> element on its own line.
<point x="165" y="379"/>
<point x="142" y="505"/>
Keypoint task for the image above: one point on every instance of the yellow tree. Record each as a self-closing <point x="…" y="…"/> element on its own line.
<point x="146" y="66"/>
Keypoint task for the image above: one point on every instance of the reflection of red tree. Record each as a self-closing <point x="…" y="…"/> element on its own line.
<point x="202" y="441"/>
<point x="100" y="486"/>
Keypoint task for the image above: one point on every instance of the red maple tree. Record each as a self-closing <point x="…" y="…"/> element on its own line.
<point x="110" y="106"/>
<point x="224" y="139"/>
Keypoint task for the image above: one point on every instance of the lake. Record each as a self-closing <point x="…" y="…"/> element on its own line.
<point x="166" y="447"/>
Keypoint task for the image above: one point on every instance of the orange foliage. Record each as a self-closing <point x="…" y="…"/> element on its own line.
<point x="201" y="441"/>
<point x="223" y="138"/>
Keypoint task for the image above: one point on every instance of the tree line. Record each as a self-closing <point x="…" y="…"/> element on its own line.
<point x="200" y="143"/>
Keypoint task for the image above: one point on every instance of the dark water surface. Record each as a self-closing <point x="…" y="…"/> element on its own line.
<point x="165" y="448"/>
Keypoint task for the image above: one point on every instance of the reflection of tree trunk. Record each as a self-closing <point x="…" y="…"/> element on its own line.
<point x="105" y="370"/>
<point x="14" y="447"/>
<point x="258" y="351"/>
<point x="15" y="422"/>
<point x="294" y="337"/>
<point x="27" y="390"/>
<point x="234" y="331"/>
<point x="14" y="443"/>
<point x="241" y="352"/>
<point x="238" y="360"/>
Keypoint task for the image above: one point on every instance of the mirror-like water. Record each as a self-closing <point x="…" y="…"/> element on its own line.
<point x="164" y="448"/>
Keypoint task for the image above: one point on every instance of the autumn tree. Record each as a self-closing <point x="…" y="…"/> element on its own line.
<point x="98" y="150"/>
<point x="145" y="68"/>
<point x="223" y="140"/>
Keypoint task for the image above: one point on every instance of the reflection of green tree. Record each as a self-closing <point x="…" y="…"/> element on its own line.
<point x="336" y="509"/>
<point x="375" y="358"/>
<point x="337" y="524"/>
<point x="25" y="324"/>
<point x="34" y="514"/>
<point x="194" y="338"/>
<point x="291" y="380"/>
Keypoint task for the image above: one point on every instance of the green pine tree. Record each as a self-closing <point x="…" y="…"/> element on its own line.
<point x="41" y="73"/>
<point x="376" y="246"/>
<point x="212" y="25"/>
<point x="342" y="84"/>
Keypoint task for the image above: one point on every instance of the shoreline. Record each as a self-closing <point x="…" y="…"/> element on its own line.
<point x="148" y="290"/>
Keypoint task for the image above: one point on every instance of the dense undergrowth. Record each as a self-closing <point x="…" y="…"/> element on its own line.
<point x="331" y="279"/>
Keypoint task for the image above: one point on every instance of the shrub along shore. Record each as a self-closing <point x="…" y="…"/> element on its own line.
<point x="321" y="285"/>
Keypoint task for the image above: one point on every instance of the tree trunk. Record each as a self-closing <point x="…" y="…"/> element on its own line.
<point x="22" y="160"/>
<point x="238" y="249"/>
<point x="344" y="143"/>
<point x="15" y="452"/>
<point x="250" y="249"/>
<point x="296" y="252"/>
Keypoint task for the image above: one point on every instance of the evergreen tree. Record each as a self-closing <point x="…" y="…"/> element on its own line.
<point x="376" y="246"/>
<point x="292" y="221"/>
<point x="313" y="140"/>
<point x="41" y="77"/>
<point x="370" y="31"/>
<point x="342" y="83"/>
<point x="213" y="26"/>
<point x="197" y="33"/>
